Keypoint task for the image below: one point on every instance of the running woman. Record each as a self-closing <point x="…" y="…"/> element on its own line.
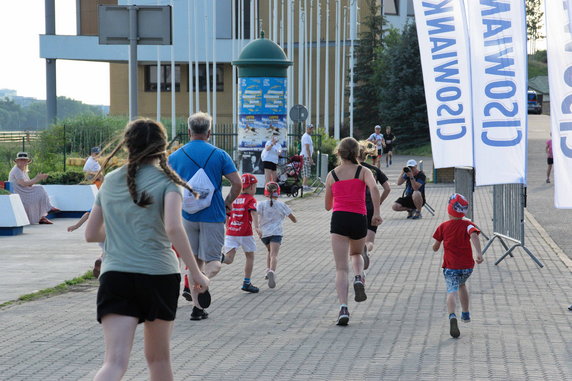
<point x="345" y="194"/>
<point x="137" y="213"/>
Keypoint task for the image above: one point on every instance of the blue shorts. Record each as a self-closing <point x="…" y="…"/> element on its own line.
<point x="455" y="278"/>
<point x="272" y="238"/>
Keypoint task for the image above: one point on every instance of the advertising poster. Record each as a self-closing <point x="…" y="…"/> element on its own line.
<point x="262" y="112"/>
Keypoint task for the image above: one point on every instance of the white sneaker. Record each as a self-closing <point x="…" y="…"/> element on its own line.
<point x="271" y="279"/>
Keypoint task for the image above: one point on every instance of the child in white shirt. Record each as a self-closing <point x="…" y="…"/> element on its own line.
<point x="271" y="214"/>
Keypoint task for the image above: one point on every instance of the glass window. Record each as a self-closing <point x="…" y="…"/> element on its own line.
<point x="165" y="75"/>
<point x="391" y="7"/>
<point x="203" y="76"/>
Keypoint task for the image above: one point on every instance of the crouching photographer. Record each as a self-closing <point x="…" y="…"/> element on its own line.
<point x="413" y="197"/>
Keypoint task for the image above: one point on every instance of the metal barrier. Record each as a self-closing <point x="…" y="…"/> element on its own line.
<point x="509" y="201"/>
<point x="465" y="185"/>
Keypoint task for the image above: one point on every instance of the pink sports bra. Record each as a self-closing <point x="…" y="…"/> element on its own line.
<point x="349" y="195"/>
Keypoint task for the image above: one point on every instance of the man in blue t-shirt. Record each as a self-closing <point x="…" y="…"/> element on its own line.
<point x="205" y="228"/>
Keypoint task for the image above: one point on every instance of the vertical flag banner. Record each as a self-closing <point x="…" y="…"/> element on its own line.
<point x="444" y="46"/>
<point x="559" y="46"/>
<point x="497" y="31"/>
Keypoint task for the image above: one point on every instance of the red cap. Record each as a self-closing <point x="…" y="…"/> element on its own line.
<point x="276" y="193"/>
<point x="247" y="180"/>
<point x="457" y="206"/>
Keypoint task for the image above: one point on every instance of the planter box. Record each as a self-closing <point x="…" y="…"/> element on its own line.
<point x="13" y="216"/>
<point x="72" y="200"/>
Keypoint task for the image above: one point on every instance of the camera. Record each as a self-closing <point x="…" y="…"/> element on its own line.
<point x="406" y="169"/>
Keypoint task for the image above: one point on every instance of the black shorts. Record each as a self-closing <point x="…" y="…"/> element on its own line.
<point x="348" y="224"/>
<point x="146" y="297"/>
<point x="388" y="148"/>
<point x="550" y="160"/>
<point x="269" y="165"/>
<point x="407" y="202"/>
<point x="369" y="225"/>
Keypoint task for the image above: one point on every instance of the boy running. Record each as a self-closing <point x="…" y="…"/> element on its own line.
<point x="239" y="229"/>
<point x="457" y="234"/>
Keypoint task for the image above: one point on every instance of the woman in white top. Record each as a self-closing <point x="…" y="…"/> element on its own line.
<point x="269" y="157"/>
<point x="34" y="197"/>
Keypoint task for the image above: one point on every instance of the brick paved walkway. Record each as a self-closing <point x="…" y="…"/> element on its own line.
<point x="520" y="330"/>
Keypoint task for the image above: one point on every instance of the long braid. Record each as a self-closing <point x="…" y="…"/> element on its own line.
<point x="108" y="159"/>
<point x="172" y="175"/>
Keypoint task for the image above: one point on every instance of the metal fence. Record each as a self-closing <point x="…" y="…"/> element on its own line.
<point x="225" y="136"/>
<point x="509" y="201"/>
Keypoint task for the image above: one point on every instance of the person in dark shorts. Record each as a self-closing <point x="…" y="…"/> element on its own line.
<point x="366" y="148"/>
<point x="137" y="213"/>
<point x="413" y="197"/>
<point x="377" y="139"/>
<point x="345" y="194"/>
<point x="388" y="142"/>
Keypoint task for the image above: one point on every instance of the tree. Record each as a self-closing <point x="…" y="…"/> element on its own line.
<point x="534" y="17"/>
<point x="400" y="90"/>
<point x="366" y="99"/>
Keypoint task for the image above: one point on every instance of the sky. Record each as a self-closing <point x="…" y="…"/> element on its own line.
<point x="22" y="69"/>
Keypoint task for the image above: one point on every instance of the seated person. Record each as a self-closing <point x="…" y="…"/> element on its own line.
<point x="34" y="197"/>
<point x="413" y="197"/>
<point x="92" y="167"/>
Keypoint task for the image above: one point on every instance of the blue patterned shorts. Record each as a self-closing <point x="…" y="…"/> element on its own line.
<point x="455" y="278"/>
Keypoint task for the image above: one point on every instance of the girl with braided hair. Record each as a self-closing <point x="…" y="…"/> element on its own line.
<point x="137" y="213"/>
<point x="271" y="214"/>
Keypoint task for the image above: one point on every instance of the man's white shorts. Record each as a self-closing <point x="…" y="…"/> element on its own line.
<point x="248" y="244"/>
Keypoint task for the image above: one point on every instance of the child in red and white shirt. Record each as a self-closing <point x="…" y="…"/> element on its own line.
<point x="239" y="229"/>
<point x="457" y="234"/>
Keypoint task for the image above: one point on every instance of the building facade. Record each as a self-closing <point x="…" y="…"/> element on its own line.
<point x="316" y="25"/>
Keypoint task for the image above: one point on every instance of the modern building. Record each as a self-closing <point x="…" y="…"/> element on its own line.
<point x="312" y="37"/>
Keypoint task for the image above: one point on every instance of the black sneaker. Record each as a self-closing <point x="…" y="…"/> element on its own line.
<point x="249" y="288"/>
<point x="343" y="316"/>
<point x="417" y="215"/>
<point x="454" y="328"/>
<point x="187" y="294"/>
<point x="204" y="298"/>
<point x="359" y="289"/>
<point x="410" y="214"/>
<point x="365" y="258"/>
<point x="199" y="314"/>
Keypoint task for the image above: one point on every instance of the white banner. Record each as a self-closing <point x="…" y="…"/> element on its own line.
<point x="559" y="40"/>
<point x="497" y="31"/>
<point x="444" y="47"/>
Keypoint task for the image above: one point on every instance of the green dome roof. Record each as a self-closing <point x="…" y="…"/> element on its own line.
<point x="262" y="54"/>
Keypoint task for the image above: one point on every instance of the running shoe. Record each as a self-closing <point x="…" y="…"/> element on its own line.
<point x="359" y="289"/>
<point x="187" y="294"/>
<point x="249" y="288"/>
<point x="271" y="279"/>
<point x="417" y="216"/>
<point x="199" y="314"/>
<point x="465" y="317"/>
<point x="570" y="308"/>
<point x="454" y="328"/>
<point x="410" y="214"/>
<point x="365" y="256"/>
<point x="343" y="316"/>
<point x="97" y="268"/>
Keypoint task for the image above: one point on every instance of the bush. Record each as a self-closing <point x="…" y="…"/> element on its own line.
<point x="65" y="178"/>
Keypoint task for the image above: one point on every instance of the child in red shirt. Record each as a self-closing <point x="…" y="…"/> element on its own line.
<point x="239" y="229"/>
<point x="457" y="234"/>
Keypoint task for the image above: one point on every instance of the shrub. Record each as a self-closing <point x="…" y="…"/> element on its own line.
<point x="65" y="178"/>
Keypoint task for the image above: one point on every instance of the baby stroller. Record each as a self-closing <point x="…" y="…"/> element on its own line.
<point x="289" y="175"/>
